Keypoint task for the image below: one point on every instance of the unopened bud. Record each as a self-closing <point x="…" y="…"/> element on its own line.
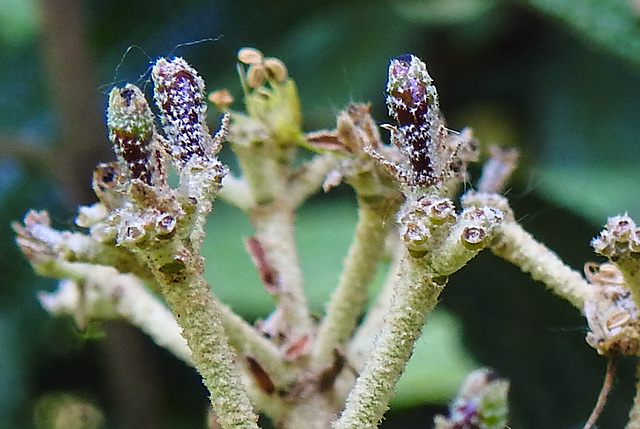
<point x="250" y="56"/>
<point x="275" y="69"/>
<point x="256" y="75"/>
<point x="179" y="95"/>
<point x="473" y="238"/>
<point x="221" y="98"/>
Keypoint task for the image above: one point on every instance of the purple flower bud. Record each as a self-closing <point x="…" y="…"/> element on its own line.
<point x="179" y="95"/>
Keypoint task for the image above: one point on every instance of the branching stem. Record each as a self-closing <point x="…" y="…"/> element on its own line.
<point x="416" y="294"/>
<point x="360" y="267"/>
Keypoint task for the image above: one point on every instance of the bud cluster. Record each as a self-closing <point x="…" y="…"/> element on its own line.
<point x="135" y="189"/>
<point x="425" y="223"/>
<point x="611" y="312"/>
<point x="481" y="403"/>
<point x="619" y="239"/>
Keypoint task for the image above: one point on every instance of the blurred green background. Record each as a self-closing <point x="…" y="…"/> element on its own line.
<point x="559" y="79"/>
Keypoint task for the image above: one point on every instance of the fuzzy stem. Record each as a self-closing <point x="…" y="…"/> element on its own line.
<point x="630" y="268"/>
<point x="308" y="178"/>
<point x="246" y="340"/>
<point x="95" y="300"/>
<point x="517" y="246"/>
<point x="275" y="232"/>
<point x="236" y="192"/>
<point x="346" y="301"/>
<point x="360" y="344"/>
<point x="315" y="412"/>
<point x="416" y="294"/>
<point x="604" y="391"/>
<point x="197" y="311"/>
<point x="634" y="414"/>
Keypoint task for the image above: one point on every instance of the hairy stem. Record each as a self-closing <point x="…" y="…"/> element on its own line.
<point x="308" y="178"/>
<point x="416" y="294"/>
<point x="517" y="246"/>
<point x="275" y="232"/>
<point x="360" y="344"/>
<point x="197" y="311"/>
<point x="634" y="414"/>
<point x="360" y="268"/>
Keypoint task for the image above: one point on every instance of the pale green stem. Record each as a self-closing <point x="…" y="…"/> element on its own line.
<point x="265" y="176"/>
<point x="415" y="296"/>
<point x="630" y="268"/>
<point x="419" y="283"/>
<point x="517" y="246"/>
<point x="347" y="300"/>
<point x="275" y="232"/>
<point x="314" y="412"/>
<point x="361" y="342"/>
<point x="83" y="251"/>
<point x="236" y="192"/>
<point x="309" y="178"/>
<point x="246" y="340"/>
<point x="197" y="311"/>
<point x="90" y="295"/>
<point x="634" y="414"/>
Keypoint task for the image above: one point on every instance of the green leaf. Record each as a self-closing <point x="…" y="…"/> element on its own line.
<point x="443" y="12"/>
<point x="18" y="21"/>
<point x="595" y="193"/>
<point x="324" y="232"/>
<point x="612" y="24"/>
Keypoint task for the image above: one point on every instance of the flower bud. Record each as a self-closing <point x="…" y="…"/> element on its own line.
<point x="130" y="123"/>
<point x="179" y="95"/>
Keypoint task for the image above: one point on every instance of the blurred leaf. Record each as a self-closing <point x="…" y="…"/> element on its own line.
<point x="340" y="54"/>
<point x="319" y="227"/>
<point x="439" y="364"/>
<point x="612" y="24"/>
<point x="585" y="131"/>
<point x="12" y="368"/>
<point x="595" y="193"/>
<point x="18" y="21"/>
<point x="443" y="12"/>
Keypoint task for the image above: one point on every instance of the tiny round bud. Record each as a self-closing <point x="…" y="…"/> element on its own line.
<point x="166" y="224"/>
<point x="134" y="233"/>
<point x="474" y="213"/>
<point x="441" y="212"/>
<point x="416" y="239"/>
<point x="256" y="75"/>
<point x="221" y="98"/>
<point x="250" y="56"/>
<point x="622" y="230"/>
<point x="414" y="235"/>
<point x="473" y="238"/>
<point x="276" y="70"/>
<point x="634" y="241"/>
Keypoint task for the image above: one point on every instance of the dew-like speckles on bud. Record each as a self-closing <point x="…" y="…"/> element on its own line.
<point x="130" y="123"/>
<point x="473" y="237"/>
<point x="429" y="157"/>
<point x="179" y="95"/>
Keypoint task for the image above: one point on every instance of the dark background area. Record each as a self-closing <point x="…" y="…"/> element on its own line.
<point x="557" y="79"/>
